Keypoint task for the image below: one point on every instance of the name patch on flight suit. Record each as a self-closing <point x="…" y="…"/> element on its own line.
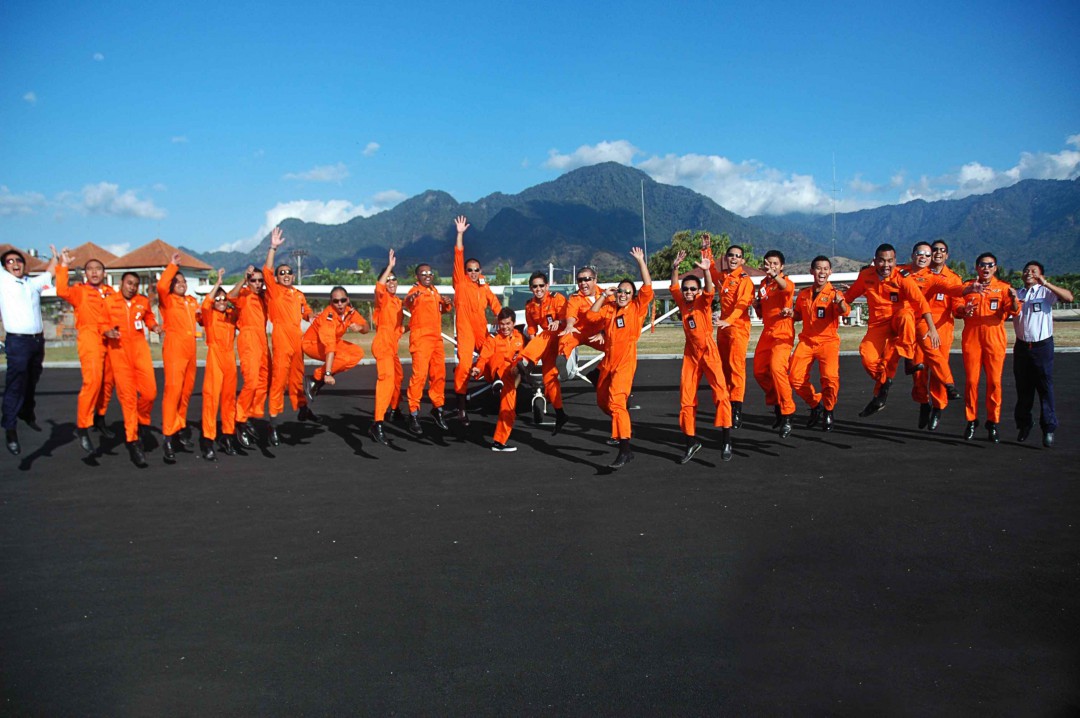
<point x="821" y="312"/>
<point x="993" y="305"/>
<point x="691" y="323"/>
<point x="620" y="322"/>
<point x="1036" y="307"/>
<point x="550" y="319"/>
<point x="894" y="297"/>
<point x="481" y="281"/>
<point x="940" y="296"/>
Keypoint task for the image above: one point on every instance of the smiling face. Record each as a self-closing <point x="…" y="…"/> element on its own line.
<point x="539" y="288"/>
<point x="424" y="276"/>
<point x="821" y="270"/>
<point x="920" y="256"/>
<point x="15" y="264"/>
<point x="506" y="326"/>
<point x="472" y="270"/>
<point x="624" y="293"/>
<point x="256" y="282"/>
<point x="986" y="266"/>
<point x="284" y="275"/>
<point x="734" y="257"/>
<point x="179" y="285"/>
<point x="586" y="282"/>
<point x="1031" y="275"/>
<point x="774" y="264"/>
<point x="129" y="286"/>
<point x="221" y="301"/>
<point x="939" y="255"/>
<point x="885" y="263"/>
<point x="391" y="283"/>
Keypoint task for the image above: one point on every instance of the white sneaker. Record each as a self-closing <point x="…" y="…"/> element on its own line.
<point x="502" y="447"/>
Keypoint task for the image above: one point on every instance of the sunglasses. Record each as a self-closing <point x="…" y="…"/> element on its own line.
<point x="923" y="254"/>
<point x="391" y="278"/>
<point x="940" y="250"/>
<point x="537" y="286"/>
<point x="426" y="273"/>
<point x="256" y="279"/>
<point x="284" y="272"/>
<point x="14" y="260"/>
<point x="691" y="289"/>
<point x="472" y="269"/>
<point x="729" y="255"/>
<point x="221" y="299"/>
<point x="340" y="301"/>
<point x="987" y="264"/>
<point x="584" y="279"/>
<point x="624" y="291"/>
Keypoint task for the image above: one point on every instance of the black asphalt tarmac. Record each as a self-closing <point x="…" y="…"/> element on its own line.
<point x="876" y="570"/>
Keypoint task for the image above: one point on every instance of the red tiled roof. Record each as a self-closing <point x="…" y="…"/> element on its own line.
<point x="34" y="265"/>
<point x="87" y="251"/>
<point x="155" y="254"/>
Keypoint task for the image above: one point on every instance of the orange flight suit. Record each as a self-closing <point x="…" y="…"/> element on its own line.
<point x="772" y="355"/>
<point x="736" y="291"/>
<point x="389" y="319"/>
<point x="325" y="336"/>
<point x="219" y="375"/>
<point x="470" y="321"/>
<point x="426" y="347"/>
<point x="894" y="302"/>
<point x="622" y="329"/>
<point x="178" y="315"/>
<point x="136" y="387"/>
<point x="576" y="307"/>
<point x="97" y="375"/>
<point x="818" y="341"/>
<point x="254" y="354"/>
<point x="287" y="307"/>
<point x="984" y="344"/>
<point x="498" y="356"/>
<point x="937" y="361"/>
<point x="700" y="356"/>
<point x="543" y="348"/>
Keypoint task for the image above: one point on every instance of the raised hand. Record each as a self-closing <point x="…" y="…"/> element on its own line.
<point x="679" y="257"/>
<point x="706" y="242"/>
<point x="391" y="260"/>
<point x="175" y="258"/>
<point x="65" y="257"/>
<point x="461" y="224"/>
<point x="704" y="264"/>
<point x="277" y="238"/>
<point x="638" y="253"/>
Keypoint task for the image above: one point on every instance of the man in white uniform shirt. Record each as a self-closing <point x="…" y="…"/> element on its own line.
<point x="1033" y="355"/>
<point x="20" y="308"/>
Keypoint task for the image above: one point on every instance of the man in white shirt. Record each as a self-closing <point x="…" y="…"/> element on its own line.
<point x="20" y="308"/>
<point x="1033" y="355"/>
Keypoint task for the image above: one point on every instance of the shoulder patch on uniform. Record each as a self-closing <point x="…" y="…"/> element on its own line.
<point x="905" y="273"/>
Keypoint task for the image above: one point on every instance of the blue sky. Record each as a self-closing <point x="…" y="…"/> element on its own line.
<point x="205" y="124"/>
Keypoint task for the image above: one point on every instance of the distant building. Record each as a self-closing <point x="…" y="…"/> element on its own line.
<point x="149" y="262"/>
<point x="34" y="263"/>
<point x="87" y="251"/>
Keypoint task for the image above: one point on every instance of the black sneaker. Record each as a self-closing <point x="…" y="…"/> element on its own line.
<point x="12" y="438"/>
<point x="725" y="445"/>
<point x="876" y="404"/>
<point x="1024" y="433"/>
<point x="779" y="419"/>
<point x="911" y="367"/>
<point x="496" y="446"/>
<point x="228" y="445"/>
<point x="692" y="447"/>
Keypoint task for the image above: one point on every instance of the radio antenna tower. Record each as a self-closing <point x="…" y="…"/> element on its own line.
<point x="834" y="191"/>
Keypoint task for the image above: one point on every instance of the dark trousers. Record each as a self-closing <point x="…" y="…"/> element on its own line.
<point x="25" y="354"/>
<point x="1033" y="368"/>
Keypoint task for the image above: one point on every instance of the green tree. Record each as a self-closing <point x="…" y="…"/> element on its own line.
<point x="332" y="276"/>
<point x="365" y="272"/>
<point x="503" y="273"/>
<point x="410" y="275"/>
<point x="689" y="241"/>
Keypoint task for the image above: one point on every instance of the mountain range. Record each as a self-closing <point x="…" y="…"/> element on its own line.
<point x="592" y="215"/>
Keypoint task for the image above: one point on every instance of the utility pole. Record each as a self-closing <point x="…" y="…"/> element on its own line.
<point x="298" y="255"/>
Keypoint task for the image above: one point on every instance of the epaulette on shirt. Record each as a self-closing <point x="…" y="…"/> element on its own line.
<point x="905" y="273"/>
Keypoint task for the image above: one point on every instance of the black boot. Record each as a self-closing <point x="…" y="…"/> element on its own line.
<point x="779" y="418"/>
<point x="206" y="446"/>
<point x="785" y="426"/>
<point x="910" y="367"/>
<point x="84" y="440"/>
<point x="243" y="437"/>
<point x="827" y="420"/>
<point x="102" y="427"/>
<point x="992" y="432"/>
<point x="969" y="430"/>
<point x="815" y="417"/>
<point x="414" y="425"/>
<point x="440" y="418"/>
<point x="312" y="387"/>
<point x="560" y="421"/>
<point x="12" y="438"/>
<point x="168" y="450"/>
<point x="878" y="402"/>
<point x="462" y="415"/>
<point x="692" y="447"/>
<point x="306" y="414"/>
<point x="934" y="419"/>
<point x="136" y="452"/>
<point x="736" y="414"/>
<point x="1023" y="434"/>
<point x="228" y="445"/>
<point x="952" y="392"/>
<point x="725" y="444"/>
<point x="624" y="457"/>
<point x="272" y="437"/>
<point x="924" y="415"/>
<point x="184" y="437"/>
<point x="376" y="433"/>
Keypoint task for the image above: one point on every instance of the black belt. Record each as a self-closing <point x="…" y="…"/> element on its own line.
<point x="39" y="335"/>
<point x="1032" y="345"/>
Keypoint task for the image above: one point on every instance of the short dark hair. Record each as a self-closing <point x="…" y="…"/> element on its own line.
<point x="775" y="253"/>
<point x="1034" y="263"/>
<point x="342" y="289"/>
<point x="820" y="258"/>
<point x="125" y="275"/>
<point x="984" y="255"/>
<point x="633" y="287"/>
<point x="506" y="313"/>
<point x="921" y="244"/>
<point x="93" y="259"/>
<point x="691" y="278"/>
<point x="735" y="246"/>
<point x="421" y="266"/>
<point x="473" y="259"/>
<point x="884" y="248"/>
<point x="10" y="253"/>
<point x="538" y="274"/>
<point x="941" y="242"/>
<point x="283" y="264"/>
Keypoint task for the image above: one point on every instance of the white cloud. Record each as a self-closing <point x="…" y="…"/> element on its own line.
<point x="858" y="184"/>
<point x="98" y="57"/>
<point x="106" y="198"/>
<point x="118" y="249"/>
<point x="30" y="97"/>
<point x="387" y="198"/>
<point x="619" y="151"/>
<point x="976" y="178"/>
<point x="325" y="173"/>
<point x="371" y="148"/>
<point x="160" y="187"/>
<point x="16" y="204"/>
<point x="179" y="139"/>
<point x="335" y="211"/>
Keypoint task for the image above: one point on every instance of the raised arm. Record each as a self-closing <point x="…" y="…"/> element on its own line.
<point x="639" y="254"/>
<point x="277" y="238"/>
<point x="390" y="261"/>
